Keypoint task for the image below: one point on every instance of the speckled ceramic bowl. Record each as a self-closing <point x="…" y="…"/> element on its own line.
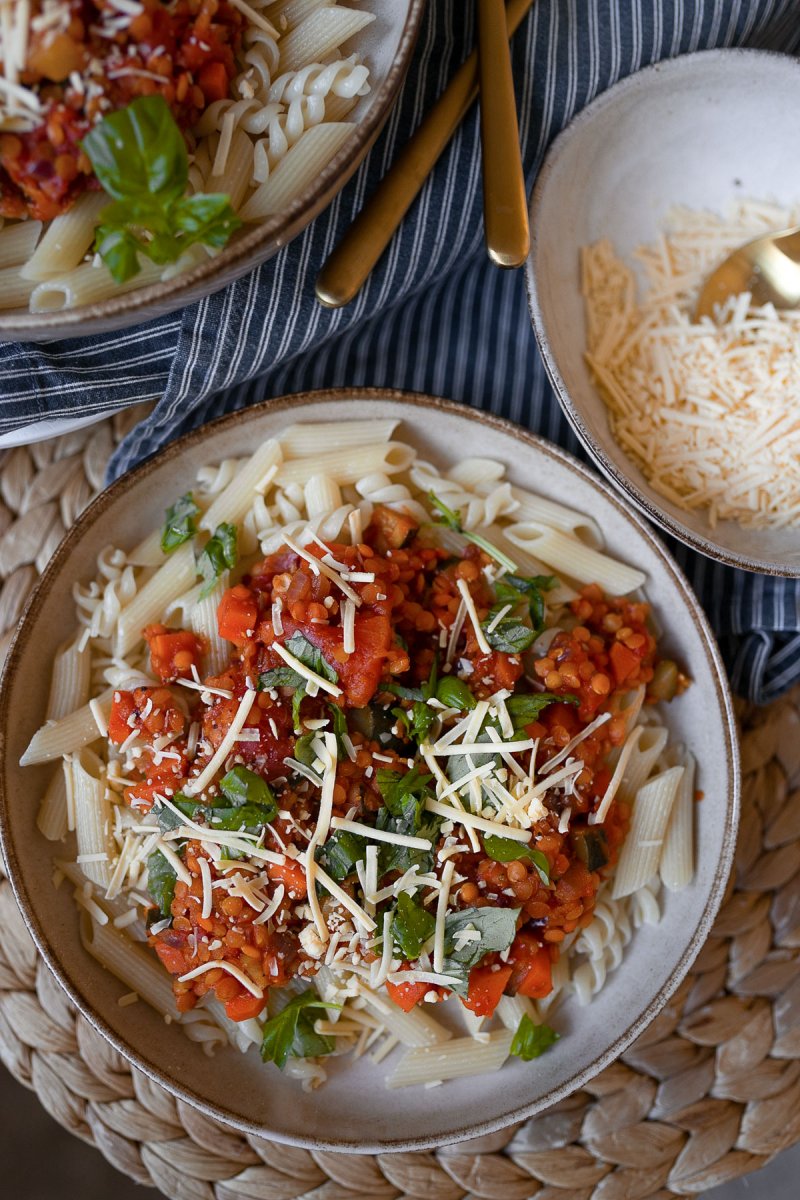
<point x="699" y="130"/>
<point x="387" y="46"/>
<point x="353" y="1111"/>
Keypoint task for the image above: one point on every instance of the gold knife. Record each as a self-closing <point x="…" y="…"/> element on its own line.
<point x="364" y="242"/>
<point x="505" y="203"/>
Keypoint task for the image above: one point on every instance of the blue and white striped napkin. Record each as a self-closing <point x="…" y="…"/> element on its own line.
<point x="435" y="316"/>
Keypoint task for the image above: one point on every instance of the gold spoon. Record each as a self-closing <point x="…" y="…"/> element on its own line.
<point x="505" y="205"/>
<point x="768" y="268"/>
<point x="347" y="268"/>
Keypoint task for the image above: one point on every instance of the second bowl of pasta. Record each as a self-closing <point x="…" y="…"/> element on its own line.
<point x="151" y="153"/>
<point x="371" y="771"/>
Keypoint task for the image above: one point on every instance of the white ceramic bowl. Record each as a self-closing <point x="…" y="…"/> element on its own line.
<point x="386" y="46"/>
<point x="353" y="1111"/>
<point x="698" y="130"/>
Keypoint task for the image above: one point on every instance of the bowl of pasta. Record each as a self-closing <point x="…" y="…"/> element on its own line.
<point x="151" y="153"/>
<point x="364" y="768"/>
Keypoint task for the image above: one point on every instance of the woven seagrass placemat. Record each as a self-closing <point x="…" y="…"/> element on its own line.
<point x="711" y="1090"/>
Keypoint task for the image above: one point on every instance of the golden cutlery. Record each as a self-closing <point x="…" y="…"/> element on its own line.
<point x="505" y="202"/>
<point x="348" y="266"/>
<point x="768" y="268"/>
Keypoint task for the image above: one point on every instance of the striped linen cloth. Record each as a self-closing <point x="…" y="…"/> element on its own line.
<point x="435" y="316"/>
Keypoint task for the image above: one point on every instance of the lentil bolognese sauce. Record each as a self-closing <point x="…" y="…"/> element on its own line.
<point x="407" y="777"/>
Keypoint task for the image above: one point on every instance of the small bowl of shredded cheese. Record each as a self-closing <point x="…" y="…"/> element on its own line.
<point x="639" y="199"/>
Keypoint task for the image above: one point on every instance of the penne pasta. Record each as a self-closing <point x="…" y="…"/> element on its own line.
<point x="644" y="753"/>
<point x="461" y="1056"/>
<point x="252" y="477"/>
<point x="202" y="616"/>
<point x="345" y="466"/>
<point x="296" y="170"/>
<point x="69" y="686"/>
<point x="93" y="817"/>
<point x="52" y="820"/>
<point x="641" y="853"/>
<point x="308" y="441"/>
<point x="543" y="511"/>
<point x="320" y="34"/>
<point x="174" y="577"/>
<point x="677" y="857"/>
<point x="70" y="733"/>
<point x="66" y="239"/>
<point x="15" y="292"/>
<point x="131" y="964"/>
<point x="322" y="495"/>
<point x="17" y="242"/>
<point x="574" y="559"/>
<point x="85" y="284"/>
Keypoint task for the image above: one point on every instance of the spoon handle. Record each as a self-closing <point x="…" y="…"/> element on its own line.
<point x="347" y="268"/>
<point x="505" y="207"/>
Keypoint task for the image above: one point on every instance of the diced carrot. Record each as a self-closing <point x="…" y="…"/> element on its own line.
<point x="213" y="81"/>
<point x="406" y="995"/>
<point x="244" y="1007"/>
<point x="173" y="652"/>
<point x="237" y="614"/>
<point x="395" y="528"/>
<point x="122" y="706"/>
<point x="532" y="967"/>
<point x="291" y="875"/>
<point x="624" y="662"/>
<point x="486" y="986"/>
<point x="172" y="958"/>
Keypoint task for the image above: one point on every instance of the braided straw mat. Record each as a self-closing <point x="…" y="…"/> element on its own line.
<point x="711" y="1090"/>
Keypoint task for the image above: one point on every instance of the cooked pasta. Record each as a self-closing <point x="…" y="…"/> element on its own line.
<point x="245" y="102"/>
<point x="335" y="758"/>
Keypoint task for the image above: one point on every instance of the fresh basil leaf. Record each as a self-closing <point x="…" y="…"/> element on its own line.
<point x="161" y="880"/>
<point x="304" y="750"/>
<point x="339" y="855"/>
<point x="339" y="722"/>
<point x="525" y="709"/>
<point x="118" y="247"/>
<point x="236" y="817"/>
<point x="507" y="850"/>
<point x="521" y="589"/>
<point x="219" y="554"/>
<point x="179" y="524"/>
<point x="532" y="1040"/>
<point x="411" y="819"/>
<point x="417" y="721"/>
<point x="497" y="928"/>
<point x="292" y="1031"/>
<point x="139" y="156"/>
<point x="412" y="926"/>
<point x="242" y="786"/>
<point x="279" y="677"/>
<point x="453" y="692"/>
<point x="208" y="219"/>
<point x="509" y="635"/>
<point x="395" y="788"/>
<point x="308" y="654"/>
<point x="138" y="152"/>
<point x="297" y="700"/>
<point x="403" y="693"/>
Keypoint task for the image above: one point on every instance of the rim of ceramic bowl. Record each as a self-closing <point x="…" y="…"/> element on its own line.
<point x="618" y="476"/>
<point x="716" y="672"/>
<point x="258" y="244"/>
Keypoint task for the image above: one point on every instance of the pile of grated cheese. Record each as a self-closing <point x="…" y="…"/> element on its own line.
<point x="710" y="412"/>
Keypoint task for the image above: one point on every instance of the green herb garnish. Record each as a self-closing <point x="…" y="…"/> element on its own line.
<point x="508" y="850"/>
<point x="412" y="926"/>
<point x="161" y="880"/>
<point x="530" y="1041"/>
<point x="218" y="556"/>
<point x="139" y="156"/>
<point x="180" y="523"/>
<point x="292" y="1031"/>
<point x="452" y="519"/>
